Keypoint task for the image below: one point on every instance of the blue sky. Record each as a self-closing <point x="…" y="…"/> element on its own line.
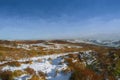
<point x="59" y="19"/>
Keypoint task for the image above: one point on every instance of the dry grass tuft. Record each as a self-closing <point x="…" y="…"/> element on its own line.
<point x="6" y="75"/>
<point x="42" y="75"/>
<point x="30" y="70"/>
<point x="18" y="73"/>
<point x="14" y="64"/>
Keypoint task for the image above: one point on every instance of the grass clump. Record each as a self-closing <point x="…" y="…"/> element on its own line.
<point x="6" y="75"/>
<point x="14" y="64"/>
<point x="18" y="73"/>
<point x="41" y="75"/>
<point x="30" y="70"/>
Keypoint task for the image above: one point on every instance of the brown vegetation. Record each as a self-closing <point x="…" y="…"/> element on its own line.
<point x="102" y="68"/>
<point x="30" y="71"/>
<point x="6" y="75"/>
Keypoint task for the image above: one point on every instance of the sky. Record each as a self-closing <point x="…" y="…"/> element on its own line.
<point x="59" y="19"/>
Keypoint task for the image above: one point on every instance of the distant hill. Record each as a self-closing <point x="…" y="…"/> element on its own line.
<point x="109" y="43"/>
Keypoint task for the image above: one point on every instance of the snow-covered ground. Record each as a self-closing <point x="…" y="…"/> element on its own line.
<point x="49" y="64"/>
<point x="109" y="43"/>
<point x="45" y="46"/>
<point x="53" y="65"/>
